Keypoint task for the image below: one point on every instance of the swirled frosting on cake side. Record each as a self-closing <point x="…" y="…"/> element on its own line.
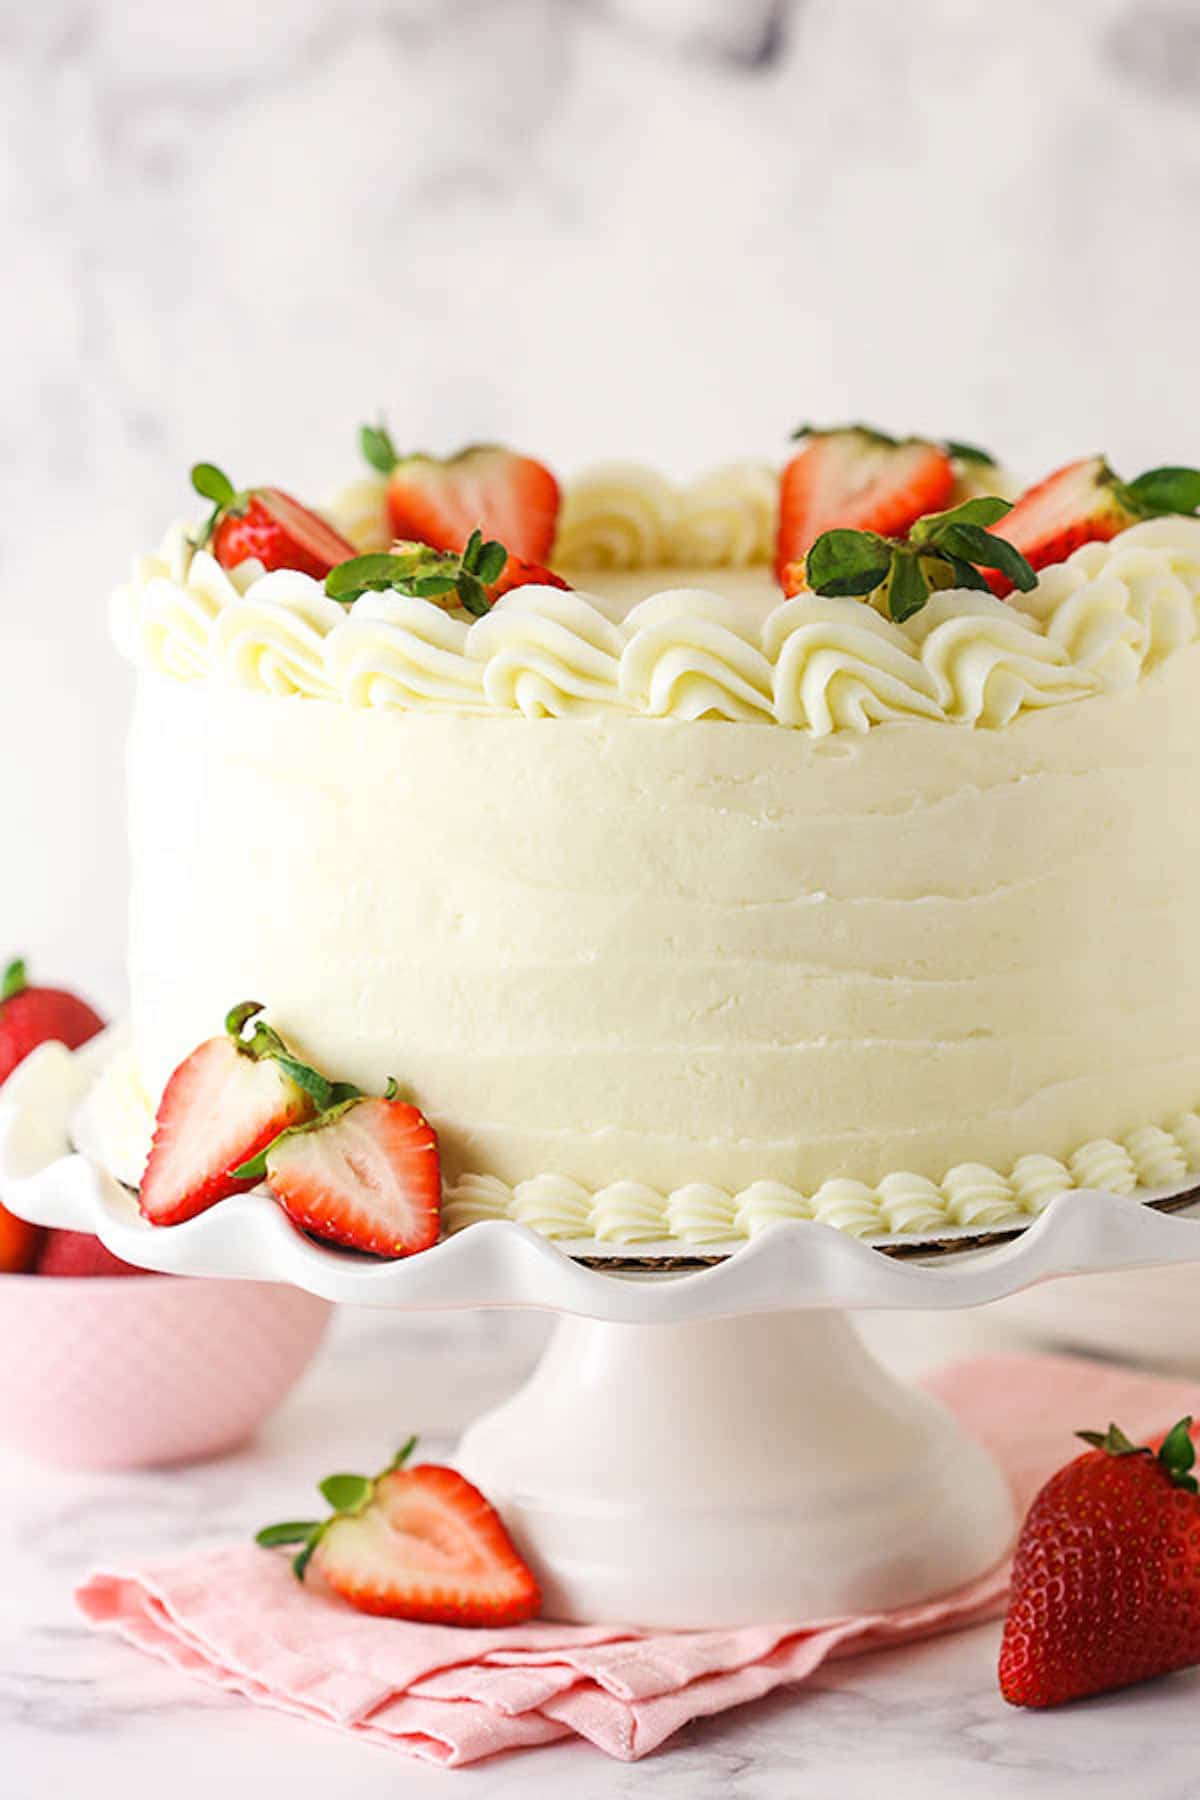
<point x="1093" y="624"/>
<point x="970" y="1195"/>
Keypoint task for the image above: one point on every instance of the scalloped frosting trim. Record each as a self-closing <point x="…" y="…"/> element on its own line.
<point x="971" y="1195"/>
<point x="1093" y="624"/>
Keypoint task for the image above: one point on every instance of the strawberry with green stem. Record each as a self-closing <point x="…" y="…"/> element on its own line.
<point x="225" y="1102"/>
<point x="266" y="525"/>
<point x="1106" y="1577"/>
<point x="30" y="1016"/>
<point x="856" y="477"/>
<point x="947" y="549"/>
<point x="413" y="1543"/>
<point x="441" y="501"/>
<point x="474" y="578"/>
<point x="1083" y="503"/>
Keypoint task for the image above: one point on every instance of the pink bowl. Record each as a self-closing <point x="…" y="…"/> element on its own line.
<point x="116" y="1372"/>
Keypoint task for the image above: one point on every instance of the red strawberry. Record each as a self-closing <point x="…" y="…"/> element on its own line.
<point x="30" y="1016"/>
<point x="523" y="574"/>
<point x="223" y="1105"/>
<point x="473" y="578"/>
<point x="18" y="1244"/>
<point x="1084" y="503"/>
<point x="415" y="1544"/>
<point x="486" y="487"/>
<point x="267" y="524"/>
<point x="79" y="1253"/>
<point x="1106" y="1578"/>
<point x="857" y="478"/>
<point x="364" y="1173"/>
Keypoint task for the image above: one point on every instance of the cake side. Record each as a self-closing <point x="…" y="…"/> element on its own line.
<point x="659" y="951"/>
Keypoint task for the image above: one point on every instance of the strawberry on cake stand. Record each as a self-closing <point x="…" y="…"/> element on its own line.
<point x="699" y="1446"/>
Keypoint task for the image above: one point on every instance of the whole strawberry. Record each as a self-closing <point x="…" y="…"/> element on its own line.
<point x="1106" y="1578"/>
<point x="30" y="1016"/>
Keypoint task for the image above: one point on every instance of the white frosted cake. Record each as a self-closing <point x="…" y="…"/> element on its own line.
<point x="678" y="906"/>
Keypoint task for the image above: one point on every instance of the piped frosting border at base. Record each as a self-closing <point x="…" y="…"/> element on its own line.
<point x="971" y="1195"/>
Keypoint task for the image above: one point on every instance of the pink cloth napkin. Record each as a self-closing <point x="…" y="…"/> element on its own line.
<point x="237" y="1619"/>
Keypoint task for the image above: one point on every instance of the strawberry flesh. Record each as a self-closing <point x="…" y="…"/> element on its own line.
<point x="219" y="1109"/>
<point x="487" y="487"/>
<point x="428" y="1546"/>
<point x="280" y="534"/>
<point x="855" y="480"/>
<point x="1105" y="1582"/>
<point x="369" y="1179"/>
<point x="1077" y="504"/>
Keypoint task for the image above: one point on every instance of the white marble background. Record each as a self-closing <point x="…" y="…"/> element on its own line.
<point x="670" y="228"/>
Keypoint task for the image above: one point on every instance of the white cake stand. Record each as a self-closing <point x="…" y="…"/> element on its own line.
<point x="697" y="1449"/>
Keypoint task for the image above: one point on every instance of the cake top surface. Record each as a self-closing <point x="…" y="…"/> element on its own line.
<point x="708" y="600"/>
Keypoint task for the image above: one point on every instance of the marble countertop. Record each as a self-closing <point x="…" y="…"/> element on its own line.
<point x="80" y="1712"/>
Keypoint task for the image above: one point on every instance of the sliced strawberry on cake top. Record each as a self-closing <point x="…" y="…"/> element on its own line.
<point x="419" y="1543"/>
<point x="440" y="501"/>
<point x="266" y="525"/>
<point x="857" y="478"/>
<point x="1084" y="503"/>
<point x="473" y="579"/>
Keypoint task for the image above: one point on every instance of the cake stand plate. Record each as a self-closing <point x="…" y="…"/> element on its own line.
<point x="694" y="1449"/>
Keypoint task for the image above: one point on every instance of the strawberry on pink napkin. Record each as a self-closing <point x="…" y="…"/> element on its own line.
<point x="238" y="1620"/>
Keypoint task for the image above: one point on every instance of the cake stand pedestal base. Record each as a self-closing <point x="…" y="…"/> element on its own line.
<point x="740" y="1470"/>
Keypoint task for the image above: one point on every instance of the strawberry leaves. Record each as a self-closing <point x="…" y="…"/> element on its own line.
<point x="1176" y="1454"/>
<point x="946" y="549"/>
<point x="348" y="1495"/>
<point x="328" y="1097"/>
<point x="1159" y="491"/>
<point x="375" y="442"/>
<point x="424" y="573"/>
<point x="213" y="484"/>
<point x="14" y="980"/>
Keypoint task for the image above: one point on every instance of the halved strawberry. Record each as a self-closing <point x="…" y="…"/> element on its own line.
<point x="223" y="1105"/>
<point x="473" y="579"/>
<point x="858" y="478"/>
<point x="364" y="1173"/>
<point x="1083" y="503"/>
<point x="486" y="487"/>
<point x="267" y="524"/>
<point x="418" y="1543"/>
